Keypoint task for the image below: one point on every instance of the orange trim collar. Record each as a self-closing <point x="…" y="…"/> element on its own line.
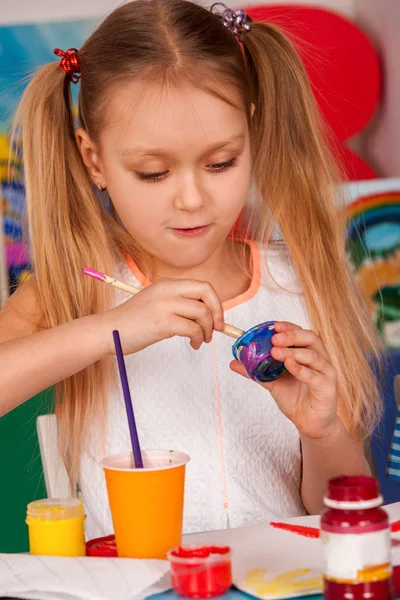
<point x="233" y="302"/>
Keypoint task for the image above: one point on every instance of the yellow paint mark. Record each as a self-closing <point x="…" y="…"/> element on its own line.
<point x="256" y="582"/>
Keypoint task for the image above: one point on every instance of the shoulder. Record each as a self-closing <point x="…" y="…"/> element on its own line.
<point x="22" y="314"/>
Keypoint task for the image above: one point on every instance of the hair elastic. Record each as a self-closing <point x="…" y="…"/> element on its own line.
<point x="235" y="20"/>
<point x="69" y="63"/>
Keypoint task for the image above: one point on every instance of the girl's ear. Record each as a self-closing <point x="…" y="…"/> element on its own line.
<point x="90" y="157"/>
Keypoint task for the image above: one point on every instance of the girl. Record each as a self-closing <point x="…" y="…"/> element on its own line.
<point x="189" y="118"/>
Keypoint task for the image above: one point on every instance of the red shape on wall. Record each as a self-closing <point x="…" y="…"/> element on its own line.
<point x="355" y="167"/>
<point x="343" y="67"/>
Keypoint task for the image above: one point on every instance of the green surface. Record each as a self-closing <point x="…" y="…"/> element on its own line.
<point x="21" y="475"/>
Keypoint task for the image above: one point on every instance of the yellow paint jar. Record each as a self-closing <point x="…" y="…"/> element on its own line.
<point x="56" y="527"/>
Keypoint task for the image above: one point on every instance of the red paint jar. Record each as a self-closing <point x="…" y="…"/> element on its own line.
<point x="200" y="571"/>
<point x="102" y="547"/>
<point x="356" y="541"/>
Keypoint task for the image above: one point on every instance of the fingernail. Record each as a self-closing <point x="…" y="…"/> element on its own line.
<point x="280" y="337"/>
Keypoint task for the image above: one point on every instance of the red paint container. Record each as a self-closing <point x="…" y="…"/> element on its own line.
<point x="102" y="547"/>
<point x="355" y="533"/>
<point x="200" y="571"/>
<point x="396" y="581"/>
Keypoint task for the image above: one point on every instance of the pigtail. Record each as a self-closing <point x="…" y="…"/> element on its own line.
<point x="67" y="232"/>
<point x="297" y="178"/>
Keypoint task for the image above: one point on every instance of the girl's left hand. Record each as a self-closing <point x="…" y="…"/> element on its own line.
<point x="307" y="394"/>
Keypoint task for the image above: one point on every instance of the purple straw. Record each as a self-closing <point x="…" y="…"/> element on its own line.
<point x="137" y="455"/>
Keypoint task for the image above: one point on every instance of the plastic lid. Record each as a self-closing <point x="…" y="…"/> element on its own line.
<point x="357" y="488"/>
<point x="55" y="509"/>
<point x="104" y="546"/>
<point x="199" y="554"/>
<point x="199" y="551"/>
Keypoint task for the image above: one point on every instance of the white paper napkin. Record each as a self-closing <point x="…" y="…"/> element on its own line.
<point x="56" y="578"/>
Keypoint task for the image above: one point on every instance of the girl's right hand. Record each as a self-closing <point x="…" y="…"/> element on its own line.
<point x="164" y="309"/>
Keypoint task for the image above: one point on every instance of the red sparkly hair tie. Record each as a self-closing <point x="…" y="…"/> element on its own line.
<point x="69" y="63"/>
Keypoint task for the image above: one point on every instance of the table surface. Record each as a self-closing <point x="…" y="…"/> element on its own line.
<point x="233" y="594"/>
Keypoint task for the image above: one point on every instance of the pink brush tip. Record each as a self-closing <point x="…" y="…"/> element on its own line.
<point x="95" y="274"/>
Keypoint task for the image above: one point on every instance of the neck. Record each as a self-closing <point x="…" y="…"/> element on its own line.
<point x="224" y="270"/>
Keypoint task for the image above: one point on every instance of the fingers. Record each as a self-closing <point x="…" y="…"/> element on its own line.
<point x="238" y="368"/>
<point x="283" y="326"/>
<point x="289" y="334"/>
<point x="304" y="355"/>
<point x="203" y="291"/>
<point x="314" y="379"/>
<point x="187" y="328"/>
<point x="307" y="357"/>
<point x="194" y="307"/>
<point x="199" y="312"/>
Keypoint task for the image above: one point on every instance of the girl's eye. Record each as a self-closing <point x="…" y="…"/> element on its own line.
<point x="224" y="166"/>
<point x="149" y="176"/>
<point x="214" y="167"/>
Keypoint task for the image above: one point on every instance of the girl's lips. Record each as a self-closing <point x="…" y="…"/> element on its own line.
<point x="191" y="232"/>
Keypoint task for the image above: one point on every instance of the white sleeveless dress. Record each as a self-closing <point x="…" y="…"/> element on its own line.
<point x="245" y="454"/>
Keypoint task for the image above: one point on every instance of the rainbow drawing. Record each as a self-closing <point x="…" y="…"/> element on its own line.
<point x="373" y="244"/>
<point x="24" y="48"/>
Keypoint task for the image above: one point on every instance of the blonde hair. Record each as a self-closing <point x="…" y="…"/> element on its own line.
<point x="293" y="172"/>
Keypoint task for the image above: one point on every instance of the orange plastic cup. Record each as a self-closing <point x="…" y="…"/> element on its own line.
<point x="146" y="504"/>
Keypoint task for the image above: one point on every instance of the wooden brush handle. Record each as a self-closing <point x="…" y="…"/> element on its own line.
<point x="232" y="331"/>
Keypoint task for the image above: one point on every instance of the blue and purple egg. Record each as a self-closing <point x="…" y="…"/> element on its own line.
<point x="253" y="350"/>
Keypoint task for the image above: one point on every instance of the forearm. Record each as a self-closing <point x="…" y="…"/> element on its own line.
<point x="337" y="454"/>
<point x="32" y="363"/>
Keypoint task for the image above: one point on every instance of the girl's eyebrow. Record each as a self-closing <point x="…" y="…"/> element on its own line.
<point x="147" y="151"/>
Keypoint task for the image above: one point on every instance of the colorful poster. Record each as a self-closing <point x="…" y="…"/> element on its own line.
<point x="24" y="48"/>
<point x="374" y="250"/>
